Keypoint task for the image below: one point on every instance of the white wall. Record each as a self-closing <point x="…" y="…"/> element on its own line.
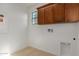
<point x="77" y="34"/>
<point x="40" y="38"/>
<point x="14" y="35"/>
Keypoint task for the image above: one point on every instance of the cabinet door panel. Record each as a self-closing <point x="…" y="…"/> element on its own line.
<point x="41" y="16"/>
<point x="59" y="13"/>
<point x="72" y="12"/>
<point x="48" y="14"/>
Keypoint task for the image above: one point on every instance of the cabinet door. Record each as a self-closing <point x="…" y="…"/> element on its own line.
<point x="72" y="12"/>
<point x="49" y="14"/>
<point x="41" y="16"/>
<point x="59" y="13"/>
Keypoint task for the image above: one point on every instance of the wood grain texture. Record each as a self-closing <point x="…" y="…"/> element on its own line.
<point x="72" y="12"/>
<point x="49" y="17"/>
<point x="41" y="16"/>
<point x="31" y="52"/>
<point x="59" y="13"/>
<point x="51" y="13"/>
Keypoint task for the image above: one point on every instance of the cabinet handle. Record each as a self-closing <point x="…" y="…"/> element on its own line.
<point x="74" y="39"/>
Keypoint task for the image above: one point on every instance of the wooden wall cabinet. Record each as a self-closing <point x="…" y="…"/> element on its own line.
<point x="45" y="14"/>
<point x="49" y="14"/>
<point x="41" y="16"/>
<point x="58" y="13"/>
<point x="72" y="12"/>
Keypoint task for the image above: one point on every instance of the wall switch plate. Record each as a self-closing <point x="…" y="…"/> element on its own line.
<point x="50" y="30"/>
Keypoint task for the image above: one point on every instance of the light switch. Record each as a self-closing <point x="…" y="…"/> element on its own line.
<point x="50" y="30"/>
